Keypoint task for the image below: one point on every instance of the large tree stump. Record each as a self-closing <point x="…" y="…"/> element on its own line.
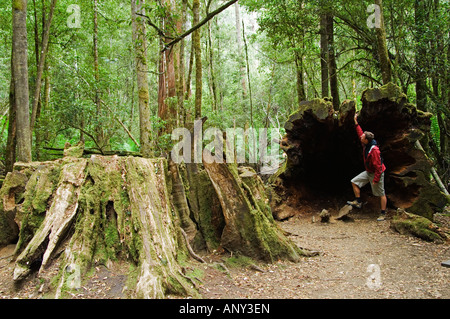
<point x="324" y="152"/>
<point x="99" y="210"/>
<point x="81" y="212"/>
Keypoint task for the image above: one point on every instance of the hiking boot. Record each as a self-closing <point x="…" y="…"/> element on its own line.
<point x="381" y="218"/>
<point x="355" y="204"/>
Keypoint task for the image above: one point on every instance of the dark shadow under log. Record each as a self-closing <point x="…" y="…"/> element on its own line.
<point x="324" y="152"/>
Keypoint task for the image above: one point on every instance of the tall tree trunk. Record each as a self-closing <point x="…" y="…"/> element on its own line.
<point x="162" y="82"/>
<point x="21" y="89"/>
<point x="332" y="67"/>
<point x="385" y="63"/>
<point x="10" y="153"/>
<point x="421" y="53"/>
<point x="445" y="125"/>
<point x="324" y="54"/>
<point x="212" y="75"/>
<point x="140" y="49"/>
<point x="189" y="73"/>
<point x="180" y="70"/>
<point x="240" y="54"/>
<point x="100" y="134"/>
<point x="198" y="61"/>
<point x="247" y="64"/>
<point x="167" y="78"/>
<point x="299" y="70"/>
<point x="40" y="67"/>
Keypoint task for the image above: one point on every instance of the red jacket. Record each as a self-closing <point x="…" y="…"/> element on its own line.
<point x="372" y="162"/>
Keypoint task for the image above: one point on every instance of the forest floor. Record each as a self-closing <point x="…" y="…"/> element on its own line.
<point x="359" y="258"/>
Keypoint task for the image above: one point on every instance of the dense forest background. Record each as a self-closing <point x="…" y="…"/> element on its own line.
<point x="118" y="76"/>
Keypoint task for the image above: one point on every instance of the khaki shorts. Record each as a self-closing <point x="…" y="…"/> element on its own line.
<point x="365" y="177"/>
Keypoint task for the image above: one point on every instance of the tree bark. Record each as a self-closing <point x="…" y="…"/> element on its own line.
<point x="102" y="208"/>
<point x="248" y="75"/>
<point x="180" y="69"/>
<point x="240" y="52"/>
<point x="10" y="152"/>
<point x="212" y="75"/>
<point x="324" y="55"/>
<point x="301" y="96"/>
<point x="140" y="51"/>
<point x="198" y="61"/>
<point x="21" y="89"/>
<point x="167" y="90"/>
<point x="101" y="138"/>
<point x="332" y="66"/>
<point x="420" y="15"/>
<point x="383" y="56"/>
<point x="41" y="66"/>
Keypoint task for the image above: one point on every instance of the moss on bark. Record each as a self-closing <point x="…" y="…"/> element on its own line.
<point x="418" y="226"/>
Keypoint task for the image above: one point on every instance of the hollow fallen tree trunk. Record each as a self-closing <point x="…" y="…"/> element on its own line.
<point x="324" y="152"/>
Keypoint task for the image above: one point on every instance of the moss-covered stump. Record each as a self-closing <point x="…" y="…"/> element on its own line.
<point x="11" y="194"/>
<point x="249" y="226"/>
<point x="83" y="212"/>
<point x="410" y="224"/>
<point x="324" y="152"/>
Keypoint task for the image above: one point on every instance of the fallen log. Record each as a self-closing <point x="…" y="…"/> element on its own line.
<point x="324" y="152"/>
<point x="91" y="151"/>
<point x="410" y="224"/>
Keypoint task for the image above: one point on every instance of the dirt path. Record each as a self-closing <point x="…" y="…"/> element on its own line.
<point x="358" y="259"/>
<point x="408" y="267"/>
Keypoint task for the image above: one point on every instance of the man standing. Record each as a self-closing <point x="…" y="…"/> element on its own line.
<point x="374" y="173"/>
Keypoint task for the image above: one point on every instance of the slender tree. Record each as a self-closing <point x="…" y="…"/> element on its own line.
<point x="383" y="56"/>
<point x="324" y="55"/>
<point x="10" y="153"/>
<point x="42" y="56"/>
<point x="167" y="78"/>
<point x="332" y="65"/>
<point x="21" y="89"/>
<point x="420" y="15"/>
<point x="198" y="60"/>
<point x="140" y="50"/>
<point x="240" y="55"/>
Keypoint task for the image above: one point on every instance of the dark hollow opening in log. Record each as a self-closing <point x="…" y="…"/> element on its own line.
<point x="323" y="156"/>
